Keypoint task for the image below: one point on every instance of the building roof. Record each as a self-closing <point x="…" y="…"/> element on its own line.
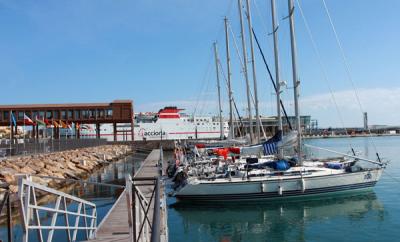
<point x="64" y="105"/>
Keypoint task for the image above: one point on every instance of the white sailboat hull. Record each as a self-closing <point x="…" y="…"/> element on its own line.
<point x="278" y="187"/>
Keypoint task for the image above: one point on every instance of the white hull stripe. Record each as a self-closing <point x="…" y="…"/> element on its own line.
<point x="271" y="195"/>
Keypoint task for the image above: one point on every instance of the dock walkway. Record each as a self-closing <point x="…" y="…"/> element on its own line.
<point x="115" y="226"/>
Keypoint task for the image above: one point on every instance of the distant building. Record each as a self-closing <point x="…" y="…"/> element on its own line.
<point x="270" y="124"/>
<point x="365" y="121"/>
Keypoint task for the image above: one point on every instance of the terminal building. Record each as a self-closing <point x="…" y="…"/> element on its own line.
<point x="61" y="117"/>
<point x="270" y="125"/>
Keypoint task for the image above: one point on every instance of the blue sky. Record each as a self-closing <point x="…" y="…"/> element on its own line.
<point x="159" y="53"/>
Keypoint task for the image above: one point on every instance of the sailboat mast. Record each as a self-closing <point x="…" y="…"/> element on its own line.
<point x="228" y="66"/>
<point x="221" y="127"/>
<point x="277" y="67"/>
<point x="253" y="66"/>
<point x="296" y="82"/>
<point x="277" y="71"/>
<point x="246" y="75"/>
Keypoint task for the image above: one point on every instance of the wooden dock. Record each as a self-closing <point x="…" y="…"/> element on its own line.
<point x="116" y="224"/>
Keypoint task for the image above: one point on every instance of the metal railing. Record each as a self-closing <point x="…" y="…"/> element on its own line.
<point x="144" y="226"/>
<point x="7" y="200"/>
<point x="30" y="213"/>
<point x="37" y="146"/>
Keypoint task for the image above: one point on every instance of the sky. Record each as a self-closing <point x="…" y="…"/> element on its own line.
<point x="159" y="53"/>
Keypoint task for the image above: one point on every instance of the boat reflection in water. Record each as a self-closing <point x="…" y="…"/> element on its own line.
<point x="327" y="219"/>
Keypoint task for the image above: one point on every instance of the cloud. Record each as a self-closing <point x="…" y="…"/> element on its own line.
<point x="381" y="104"/>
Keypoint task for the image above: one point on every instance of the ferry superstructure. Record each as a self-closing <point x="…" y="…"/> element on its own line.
<point x="168" y="123"/>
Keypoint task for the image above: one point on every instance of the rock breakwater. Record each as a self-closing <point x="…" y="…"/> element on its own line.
<point x="75" y="164"/>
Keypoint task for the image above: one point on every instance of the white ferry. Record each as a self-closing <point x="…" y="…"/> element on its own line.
<point x="167" y="124"/>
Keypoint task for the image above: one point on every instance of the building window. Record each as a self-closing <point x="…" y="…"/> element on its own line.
<point x="101" y="113"/>
<point x="20" y="115"/>
<point x="69" y="114"/>
<point x="49" y="114"/>
<point x="6" y="115"/>
<point x="77" y="114"/>
<point x="63" y="114"/>
<point x="109" y="113"/>
<point x="85" y="114"/>
<point x="56" y="115"/>
<point x="1" y="116"/>
<point x="35" y="114"/>
<point x="41" y="114"/>
<point x="92" y="113"/>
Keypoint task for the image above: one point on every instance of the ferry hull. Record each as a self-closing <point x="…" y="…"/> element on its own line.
<point x="279" y="188"/>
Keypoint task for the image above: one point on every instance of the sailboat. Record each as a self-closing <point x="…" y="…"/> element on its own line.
<point x="279" y="176"/>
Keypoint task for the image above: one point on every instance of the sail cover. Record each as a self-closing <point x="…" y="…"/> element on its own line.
<point x="271" y="145"/>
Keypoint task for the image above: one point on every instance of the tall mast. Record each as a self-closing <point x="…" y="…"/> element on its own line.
<point x="277" y="72"/>
<point x="221" y="127"/>
<point x="296" y="82"/>
<point x="253" y="65"/>
<point x="228" y="65"/>
<point x="246" y="75"/>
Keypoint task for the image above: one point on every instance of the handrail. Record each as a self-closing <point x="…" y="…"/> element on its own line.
<point x="155" y="231"/>
<point x="31" y="219"/>
<point x="79" y="181"/>
<point x="142" y="222"/>
<point x="344" y="154"/>
<point x="7" y="199"/>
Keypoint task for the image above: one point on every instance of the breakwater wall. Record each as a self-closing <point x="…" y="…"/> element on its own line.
<point x="72" y="164"/>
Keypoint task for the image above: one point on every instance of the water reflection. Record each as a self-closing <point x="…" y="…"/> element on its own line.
<point x="103" y="196"/>
<point x="287" y="221"/>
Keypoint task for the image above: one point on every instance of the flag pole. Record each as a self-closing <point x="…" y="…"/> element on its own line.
<point x="24" y="130"/>
<point x="11" y="128"/>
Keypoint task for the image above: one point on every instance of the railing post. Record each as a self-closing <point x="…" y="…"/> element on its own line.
<point x="161" y="160"/>
<point x="129" y="196"/>
<point x="133" y="211"/>
<point x="155" y="229"/>
<point x="9" y="217"/>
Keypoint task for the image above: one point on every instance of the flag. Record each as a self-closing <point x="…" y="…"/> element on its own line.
<point x="62" y="124"/>
<point x="13" y="120"/>
<point x="271" y="146"/>
<point x="55" y="124"/>
<point x="47" y="121"/>
<point x="27" y="120"/>
<point x="69" y="126"/>
<point x="40" y="122"/>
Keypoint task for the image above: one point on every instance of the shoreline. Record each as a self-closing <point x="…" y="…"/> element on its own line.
<point x="72" y="164"/>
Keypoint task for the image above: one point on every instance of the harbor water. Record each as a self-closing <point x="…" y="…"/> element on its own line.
<point x="367" y="216"/>
<point x="103" y="196"/>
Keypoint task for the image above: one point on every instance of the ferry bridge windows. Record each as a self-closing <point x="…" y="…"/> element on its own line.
<point x="34" y="114"/>
<point x="41" y="114"/>
<point x="1" y="116"/>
